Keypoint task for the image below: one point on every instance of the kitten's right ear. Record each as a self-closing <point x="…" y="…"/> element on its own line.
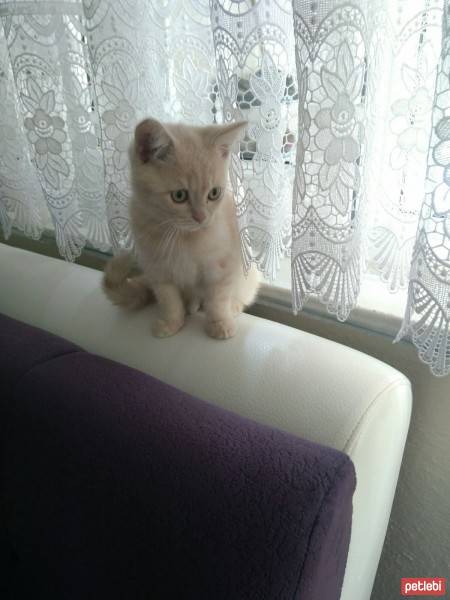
<point x="152" y="142"/>
<point x="224" y="136"/>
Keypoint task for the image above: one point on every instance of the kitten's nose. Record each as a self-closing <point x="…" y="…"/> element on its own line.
<point x="198" y="215"/>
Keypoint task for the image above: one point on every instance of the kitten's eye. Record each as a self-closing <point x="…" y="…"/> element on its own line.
<point x="179" y="196"/>
<point x="214" y="194"/>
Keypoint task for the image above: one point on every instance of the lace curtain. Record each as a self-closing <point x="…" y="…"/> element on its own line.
<point x="345" y="165"/>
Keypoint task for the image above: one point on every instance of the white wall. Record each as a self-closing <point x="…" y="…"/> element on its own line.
<point x="418" y="538"/>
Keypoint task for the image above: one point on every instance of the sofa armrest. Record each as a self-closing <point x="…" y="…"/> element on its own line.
<point x="301" y="383"/>
<point x="117" y="485"/>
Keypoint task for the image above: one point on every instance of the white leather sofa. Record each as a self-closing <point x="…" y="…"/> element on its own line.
<point x="298" y="382"/>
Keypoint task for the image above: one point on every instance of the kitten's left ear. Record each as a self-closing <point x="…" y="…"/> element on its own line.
<point x="224" y="136"/>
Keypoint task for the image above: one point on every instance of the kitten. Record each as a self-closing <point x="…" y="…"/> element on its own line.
<point x="185" y="229"/>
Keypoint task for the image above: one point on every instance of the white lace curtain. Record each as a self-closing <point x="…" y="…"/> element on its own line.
<point x="345" y="165"/>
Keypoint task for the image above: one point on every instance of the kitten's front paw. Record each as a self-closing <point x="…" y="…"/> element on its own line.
<point x="221" y="330"/>
<point x="162" y="328"/>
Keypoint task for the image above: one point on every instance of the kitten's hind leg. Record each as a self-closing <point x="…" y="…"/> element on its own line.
<point x="172" y="311"/>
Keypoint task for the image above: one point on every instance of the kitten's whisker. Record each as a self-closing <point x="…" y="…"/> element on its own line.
<point x="168" y="244"/>
<point x="173" y="241"/>
<point x="163" y="243"/>
<point x="164" y="223"/>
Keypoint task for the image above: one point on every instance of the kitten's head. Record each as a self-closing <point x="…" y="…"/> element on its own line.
<point x="180" y="172"/>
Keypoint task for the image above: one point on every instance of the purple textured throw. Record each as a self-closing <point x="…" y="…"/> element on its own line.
<point x="115" y="485"/>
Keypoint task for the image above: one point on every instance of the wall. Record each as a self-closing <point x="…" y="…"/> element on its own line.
<point x="418" y="538"/>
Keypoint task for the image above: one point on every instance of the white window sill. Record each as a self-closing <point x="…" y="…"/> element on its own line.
<point x="378" y="310"/>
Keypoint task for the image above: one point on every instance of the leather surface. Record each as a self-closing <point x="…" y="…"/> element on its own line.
<point x="274" y="374"/>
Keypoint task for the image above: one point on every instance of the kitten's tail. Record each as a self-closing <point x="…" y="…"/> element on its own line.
<point x="121" y="287"/>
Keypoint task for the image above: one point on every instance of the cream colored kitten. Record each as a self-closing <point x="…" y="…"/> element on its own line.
<point x="184" y="224"/>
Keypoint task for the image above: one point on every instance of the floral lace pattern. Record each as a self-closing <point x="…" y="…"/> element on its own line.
<point x="339" y="132"/>
<point x="427" y="317"/>
<point x="406" y="48"/>
<point x="18" y="208"/>
<point x="75" y="77"/>
<point x="45" y="132"/>
<point x="347" y="104"/>
<point x="256" y="80"/>
<point x="326" y="221"/>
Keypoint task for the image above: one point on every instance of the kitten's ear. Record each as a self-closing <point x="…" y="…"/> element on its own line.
<point x="152" y="142"/>
<point x="224" y="136"/>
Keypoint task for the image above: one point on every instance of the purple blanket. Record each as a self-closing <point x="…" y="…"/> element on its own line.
<point x="115" y="485"/>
